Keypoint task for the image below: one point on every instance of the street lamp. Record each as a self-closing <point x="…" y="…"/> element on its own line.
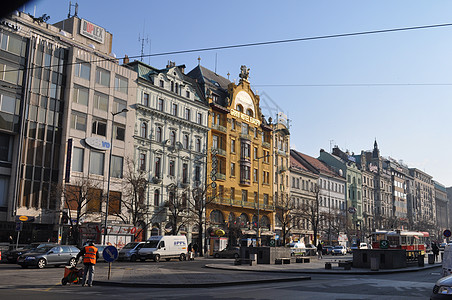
<point x="109" y="170"/>
<point x="258" y="200"/>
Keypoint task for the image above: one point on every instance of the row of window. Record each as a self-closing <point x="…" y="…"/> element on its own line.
<point x="102" y="76"/>
<point x="333" y="186"/>
<point x="174" y="109"/>
<point x="96" y="162"/>
<point x="99" y="126"/>
<point x="80" y="95"/>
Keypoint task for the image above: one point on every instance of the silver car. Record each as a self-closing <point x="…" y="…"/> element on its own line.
<point x="55" y="255"/>
<point x="130" y="251"/>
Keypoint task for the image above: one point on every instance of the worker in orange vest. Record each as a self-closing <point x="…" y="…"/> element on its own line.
<point x="90" y="256"/>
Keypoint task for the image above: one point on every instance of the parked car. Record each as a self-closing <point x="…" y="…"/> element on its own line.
<point x="297" y="248"/>
<point x="363" y="246"/>
<point x="233" y="252"/>
<point x="12" y="255"/>
<point x="442" y="246"/>
<point x="353" y="247"/>
<point x="130" y="251"/>
<point x="442" y="288"/>
<point x="49" y="255"/>
<point x="100" y="250"/>
<point x="339" y="250"/>
<point x="326" y="250"/>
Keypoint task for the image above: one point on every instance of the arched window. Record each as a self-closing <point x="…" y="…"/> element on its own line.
<point x="173" y="138"/>
<point x="240" y="108"/>
<point x="265" y="222"/>
<point x="158" y="134"/>
<point x="185" y="141"/>
<point x="249" y="112"/>
<point x="243" y="219"/>
<point x="156" y="197"/>
<point x="254" y="221"/>
<point x="216" y="217"/>
<point x="198" y="145"/>
<point x="144" y="129"/>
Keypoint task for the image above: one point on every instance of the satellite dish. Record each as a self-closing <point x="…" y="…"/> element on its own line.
<point x="63" y="33"/>
<point x="92" y="46"/>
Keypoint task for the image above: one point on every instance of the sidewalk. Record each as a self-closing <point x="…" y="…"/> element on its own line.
<point x="158" y="276"/>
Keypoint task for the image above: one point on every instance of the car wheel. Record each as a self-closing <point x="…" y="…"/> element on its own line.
<point x="236" y="255"/>
<point x="72" y="262"/>
<point x="157" y="258"/>
<point x="216" y="255"/>
<point x="41" y="263"/>
<point x="133" y="258"/>
<point x="182" y="257"/>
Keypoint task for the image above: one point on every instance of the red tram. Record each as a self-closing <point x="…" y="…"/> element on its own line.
<point x="400" y="239"/>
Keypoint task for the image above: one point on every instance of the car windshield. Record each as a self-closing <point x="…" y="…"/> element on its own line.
<point x="130" y="246"/>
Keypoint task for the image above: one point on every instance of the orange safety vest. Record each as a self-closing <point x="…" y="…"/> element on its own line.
<point x="90" y="255"/>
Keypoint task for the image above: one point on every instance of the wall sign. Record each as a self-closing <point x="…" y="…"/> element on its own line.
<point x="91" y="31"/>
<point x="98" y="143"/>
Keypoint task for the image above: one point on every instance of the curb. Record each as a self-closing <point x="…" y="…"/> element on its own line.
<point x="316" y="271"/>
<point x="196" y="285"/>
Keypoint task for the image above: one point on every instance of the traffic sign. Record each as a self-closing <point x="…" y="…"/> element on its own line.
<point x="384" y="244"/>
<point x="110" y="253"/>
<point x="447" y="233"/>
<point x="272" y="243"/>
<point x="351" y="210"/>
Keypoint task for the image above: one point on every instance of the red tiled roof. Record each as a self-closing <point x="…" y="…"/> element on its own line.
<point x="294" y="163"/>
<point x="320" y="166"/>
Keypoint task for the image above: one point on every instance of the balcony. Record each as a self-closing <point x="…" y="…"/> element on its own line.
<point x="219" y="151"/>
<point x="156" y="179"/>
<point x="266" y="145"/>
<point x="219" y="128"/>
<point x="221" y="176"/>
<point x="245" y="136"/>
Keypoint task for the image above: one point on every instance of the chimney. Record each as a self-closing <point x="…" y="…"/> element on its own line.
<point x="126" y="59"/>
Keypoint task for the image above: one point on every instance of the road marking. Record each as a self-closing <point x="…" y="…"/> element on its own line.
<point x="48" y="290"/>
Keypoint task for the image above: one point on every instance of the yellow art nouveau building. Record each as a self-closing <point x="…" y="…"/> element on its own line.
<point x="239" y="157"/>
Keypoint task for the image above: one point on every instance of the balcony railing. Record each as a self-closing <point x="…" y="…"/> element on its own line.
<point x="266" y="145"/>
<point x="219" y="128"/>
<point x="219" y="151"/>
<point x="245" y="136"/>
<point x="221" y="176"/>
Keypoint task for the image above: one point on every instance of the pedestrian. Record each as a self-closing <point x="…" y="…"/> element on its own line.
<point x="90" y="256"/>
<point x="195" y="248"/>
<point x="319" y="251"/>
<point x="435" y="250"/>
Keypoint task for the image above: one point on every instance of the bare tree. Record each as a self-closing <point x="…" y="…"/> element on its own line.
<point x="82" y="197"/>
<point x="287" y="215"/>
<point x="177" y="206"/>
<point x="197" y="204"/>
<point x="133" y="198"/>
<point x="310" y="211"/>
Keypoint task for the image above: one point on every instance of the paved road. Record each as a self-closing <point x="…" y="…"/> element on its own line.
<point x="17" y="283"/>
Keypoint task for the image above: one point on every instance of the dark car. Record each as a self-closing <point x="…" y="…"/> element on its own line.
<point x="326" y="250"/>
<point x="443" y="288"/>
<point x="12" y="255"/>
<point x="228" y="253"/>
<point x="49" y="255"/>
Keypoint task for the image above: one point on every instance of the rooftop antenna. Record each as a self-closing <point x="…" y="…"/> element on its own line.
<point x="75" y="9"/>
<point x="199" y="60"/>
<point x="228" y="75"/>
<point x="144" y="39"/>
<point x="331" y="145"/>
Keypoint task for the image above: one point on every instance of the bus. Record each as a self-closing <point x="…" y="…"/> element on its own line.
<point x="412" y="241"/>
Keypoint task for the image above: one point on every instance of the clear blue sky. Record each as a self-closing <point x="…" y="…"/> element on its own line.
<point x="410" y="122"/>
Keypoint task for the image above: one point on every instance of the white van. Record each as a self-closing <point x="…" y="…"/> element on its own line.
<point x="167" y="247"/>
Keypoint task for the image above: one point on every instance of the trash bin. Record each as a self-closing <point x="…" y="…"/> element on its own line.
<point x="420" y="260"/>
<point x="431" y="259"/>
<point x="374" y="264"/>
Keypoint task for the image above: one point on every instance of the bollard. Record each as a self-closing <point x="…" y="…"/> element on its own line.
<point x="420" y="260"/>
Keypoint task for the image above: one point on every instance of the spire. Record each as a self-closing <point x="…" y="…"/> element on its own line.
<point x="376" y="152"/>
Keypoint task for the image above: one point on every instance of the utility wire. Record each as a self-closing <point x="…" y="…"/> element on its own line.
<point x="262" y="43"/>
<point x="351" y="84"/>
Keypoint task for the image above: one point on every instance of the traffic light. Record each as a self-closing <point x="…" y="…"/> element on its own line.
<point x="64" y="218"/>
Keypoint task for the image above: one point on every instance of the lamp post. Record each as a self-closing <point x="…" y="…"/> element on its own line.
<point x="258" y="200"/>
<point x="109" y="170"/>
